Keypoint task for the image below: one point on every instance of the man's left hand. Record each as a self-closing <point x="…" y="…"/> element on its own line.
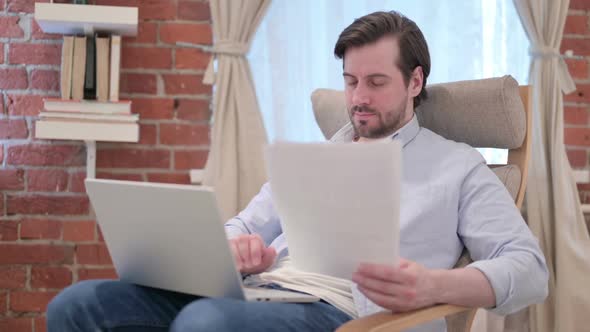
<point x="400" y="288"/>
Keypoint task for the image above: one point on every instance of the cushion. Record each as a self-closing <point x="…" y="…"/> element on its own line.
<point x="481" y="113"/>
<point x="510" y="176"/>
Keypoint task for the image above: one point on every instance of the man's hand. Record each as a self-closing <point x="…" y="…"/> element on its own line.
<point x="251" y="255"/>
<point x="405" y="287"/>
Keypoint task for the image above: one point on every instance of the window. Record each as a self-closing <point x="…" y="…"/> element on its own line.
<point x="292" y="52"/>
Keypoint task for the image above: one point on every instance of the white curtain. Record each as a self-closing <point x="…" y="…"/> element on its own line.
<point x="235" y="167"/>
<point x="553" y="207"/>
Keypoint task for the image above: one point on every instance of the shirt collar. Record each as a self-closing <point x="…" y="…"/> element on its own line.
<point x="405" y="134"/>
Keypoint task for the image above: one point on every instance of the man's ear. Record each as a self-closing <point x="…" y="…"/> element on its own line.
<point x="415" y="86"/>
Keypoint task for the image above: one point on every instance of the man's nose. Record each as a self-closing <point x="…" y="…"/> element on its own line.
<point x="360" y="95"/>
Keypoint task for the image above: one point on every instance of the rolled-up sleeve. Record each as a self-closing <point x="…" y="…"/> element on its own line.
<point x="259" y="217"/>
<point x="500" y="243"/>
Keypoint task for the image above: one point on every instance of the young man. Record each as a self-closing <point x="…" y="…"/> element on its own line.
<point x="450" y="199"/>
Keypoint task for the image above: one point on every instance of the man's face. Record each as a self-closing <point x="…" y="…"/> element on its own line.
<point x="377" y="98"/>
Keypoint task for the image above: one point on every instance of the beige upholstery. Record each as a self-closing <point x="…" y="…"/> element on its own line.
<point x="482" y="113"/>
<point x="509" y="175"/>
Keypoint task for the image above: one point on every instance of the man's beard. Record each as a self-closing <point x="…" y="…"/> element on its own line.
<point x="388" y="122"/>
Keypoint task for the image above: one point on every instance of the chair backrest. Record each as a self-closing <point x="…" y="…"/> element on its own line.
<point x="487" y="113"/>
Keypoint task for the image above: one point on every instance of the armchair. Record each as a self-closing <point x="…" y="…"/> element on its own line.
<point x="494" y="113"/>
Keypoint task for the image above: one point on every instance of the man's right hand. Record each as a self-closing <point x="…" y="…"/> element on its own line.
<point x="251" y="255"/>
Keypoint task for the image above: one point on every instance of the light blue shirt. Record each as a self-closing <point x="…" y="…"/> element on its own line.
<point x="450" y="199"/>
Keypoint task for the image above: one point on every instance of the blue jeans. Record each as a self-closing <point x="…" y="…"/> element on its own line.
<point x="116" y="306"/>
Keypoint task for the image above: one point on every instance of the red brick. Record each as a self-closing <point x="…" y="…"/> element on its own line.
<point x="147" y="33"/>
<point x="148" y="134"/>
<point x="188" y="58"/>
<point x="8" y="229"/>
<point x="580" y="46"/>
<point x="40" y="229"/>
<point x="12" y="179"/>
<point x="182" y="178"/>
<point x="47" y="180"/>
<point x="13" y="129"/>
<point x="13" y="78"/>
<point x="3" y="306"/>
<point x="25" y="301"/>
<point x="50" y="277"/>
<point x="36" y="253"/>
<point x="133" y="158"/>
<point x="40" y="324"/>
<point x="1" y="153"/>
<point x="576" y="24"/>
<point x="21" y="6"/>
<point x="24" y="105"/>
<point x="185" y="84"/>
<point x="12" y="277"/>
<point x="577" y="158"/>
<point x="1" y="51"/>
<point x="190" y="159"/>
<point x="9" y="27"/>
<point x="47" y="155"/>
<point x="99" y="233"/>
<point x="577" y="136"/>
<point x="35" y="54"/>
<point x="45" y="79"/>
<point x="39" y="204"/>
<point x="146" y="57"/>
<point x="193" y="10"/>
<point x="581" y="95"/>
<point x="119" y="176"/>
<point x="37" y="33"/>
<point x="580" y="4"/>
<point x="10" y="324"/>
<point x="578" y="68"/>
<point x="153" y="108"/>
<point x="77" y="182"/>
<point x="78" y="231"/>
<point x="180" y="134"/>
<point x="194" y="110"/>
<point x="86" y="274"/>
<point x="157" y="10"/>
<point x="138" y="83"/>
<point x="1" y="208"/>
<point x="93" y="254"/>
<point x="2" y="2"/>
<point x="194" y="33"/>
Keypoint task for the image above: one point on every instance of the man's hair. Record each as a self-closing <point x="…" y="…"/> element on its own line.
<point x="412" y="44"/>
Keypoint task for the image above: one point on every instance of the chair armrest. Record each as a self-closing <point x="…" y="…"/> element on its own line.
<point x="384" y="321"/>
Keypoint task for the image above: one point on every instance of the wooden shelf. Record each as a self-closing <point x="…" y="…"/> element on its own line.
<point x="70" y="19"/>
<point x="87" y="131"/>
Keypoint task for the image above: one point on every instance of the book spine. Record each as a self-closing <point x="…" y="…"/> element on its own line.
<point x="90" y="76"/>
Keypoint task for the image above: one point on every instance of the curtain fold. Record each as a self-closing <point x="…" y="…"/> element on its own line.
<point x="235" y="167"/>
<point x="553" y="207"/>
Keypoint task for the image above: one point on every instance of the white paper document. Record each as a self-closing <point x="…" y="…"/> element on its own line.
<point x="338" y="203"/>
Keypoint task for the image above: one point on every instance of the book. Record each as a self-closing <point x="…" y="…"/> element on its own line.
<point x="78" y="68"/>
<point x="115" y="67"/>
<point x="59" y="105"/>
<point x="67" y="60"/>
<point x="90" y="116"/>
<point x="102" y="68"/>
<point x="87" y="131"/>
<point x="90" y="76"/>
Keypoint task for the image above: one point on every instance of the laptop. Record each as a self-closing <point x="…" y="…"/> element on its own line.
<point x="171" y="237"/>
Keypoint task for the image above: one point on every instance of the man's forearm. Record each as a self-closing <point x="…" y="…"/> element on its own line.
<point x="467" y="287"/>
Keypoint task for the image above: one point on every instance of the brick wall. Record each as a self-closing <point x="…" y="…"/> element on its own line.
<point x="48" y="235"/>
<point x="577" y="104"/>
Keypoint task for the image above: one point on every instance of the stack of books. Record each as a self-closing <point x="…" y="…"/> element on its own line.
<point x="89" y="107"/>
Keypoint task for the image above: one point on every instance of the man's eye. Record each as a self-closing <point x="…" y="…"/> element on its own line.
<point x="351" y="83"/>
<point x="377" y="83"/>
